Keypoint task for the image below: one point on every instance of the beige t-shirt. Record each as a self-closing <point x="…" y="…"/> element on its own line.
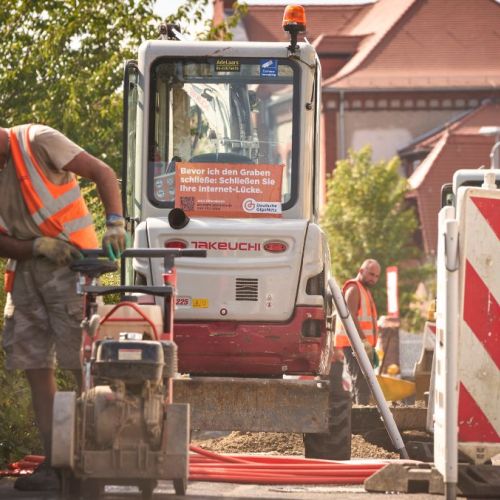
<point x="53" y="152"/>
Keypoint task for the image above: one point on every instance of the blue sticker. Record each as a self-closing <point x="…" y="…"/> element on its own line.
<point x="269" y="67"/>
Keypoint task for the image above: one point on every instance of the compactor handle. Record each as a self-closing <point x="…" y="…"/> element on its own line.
<point x="93" y="267"/>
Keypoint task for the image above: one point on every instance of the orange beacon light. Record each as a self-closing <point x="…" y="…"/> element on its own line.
<point x="294" y="16"/>
<point x="294" y="21"/>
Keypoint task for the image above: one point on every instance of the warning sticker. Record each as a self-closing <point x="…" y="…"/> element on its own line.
<point x="200" y="303"/>
<point x="225" y="64"/>
<point x="269" y="67"/>
<point x="229" y="189"/>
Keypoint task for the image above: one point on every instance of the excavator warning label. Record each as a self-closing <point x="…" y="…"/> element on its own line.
<point x="269" y="67"/>
<point x="229" y="189"/>
<point x="200" y="303"/>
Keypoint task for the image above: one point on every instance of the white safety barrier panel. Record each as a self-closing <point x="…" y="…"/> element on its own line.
<point x="467" y="355"/>
<point x="445" y="386"/>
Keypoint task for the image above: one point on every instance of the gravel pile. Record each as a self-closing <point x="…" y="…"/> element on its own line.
<point x="360" y="448"/>
<point x="272" y="443"/>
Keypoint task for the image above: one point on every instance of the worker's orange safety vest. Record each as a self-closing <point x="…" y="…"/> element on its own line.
<point x="367" y="317"/>
<point x="59" y="211"/>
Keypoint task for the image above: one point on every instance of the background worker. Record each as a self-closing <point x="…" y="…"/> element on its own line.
<point x="43" y="222"/>
<point x="364" y="314"/>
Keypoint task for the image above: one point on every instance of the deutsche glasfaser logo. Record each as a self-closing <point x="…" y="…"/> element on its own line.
<point x="252" y="206"/>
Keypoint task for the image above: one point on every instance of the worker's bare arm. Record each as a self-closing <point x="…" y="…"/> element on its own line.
<point x="352" y="299"/>
<point x="15" y="249"/>
<point x="88" y="166"/>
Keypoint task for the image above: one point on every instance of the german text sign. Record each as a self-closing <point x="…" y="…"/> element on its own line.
<point x="229" y="189"/>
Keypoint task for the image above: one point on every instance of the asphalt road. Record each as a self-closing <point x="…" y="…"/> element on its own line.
<point x="227" y="491"/>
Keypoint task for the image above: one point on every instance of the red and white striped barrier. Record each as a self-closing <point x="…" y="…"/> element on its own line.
<point x="467" y="353"/>
<point x="479" y="334"/>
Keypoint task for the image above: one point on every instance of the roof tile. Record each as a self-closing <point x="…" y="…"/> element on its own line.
<point x="263" y="22"/>
<point x="422" y="44"/>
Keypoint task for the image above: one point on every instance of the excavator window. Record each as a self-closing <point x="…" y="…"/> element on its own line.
<point x="229" y="111"/>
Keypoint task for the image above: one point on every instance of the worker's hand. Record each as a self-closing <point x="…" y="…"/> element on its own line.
<point x="58" y="251"/>
<point x="115" y="238"/>
<point x="368" y="349"/>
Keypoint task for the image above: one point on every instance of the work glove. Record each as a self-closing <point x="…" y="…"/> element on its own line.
<point x="114" y="240"/>
<point x="57" y="251"/>
<point x="368" y="349"/>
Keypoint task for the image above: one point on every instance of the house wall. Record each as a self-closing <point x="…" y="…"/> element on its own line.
<point x="388" y="131"/>
<point x="389" y="121"/>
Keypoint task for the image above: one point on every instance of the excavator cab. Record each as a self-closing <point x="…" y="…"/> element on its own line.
<point x="221" y="153"/>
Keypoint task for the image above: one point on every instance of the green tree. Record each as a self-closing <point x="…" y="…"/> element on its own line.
<point x="62" y="63"/>
<point x="191" y="17"/>
<point x="366" y="217"/>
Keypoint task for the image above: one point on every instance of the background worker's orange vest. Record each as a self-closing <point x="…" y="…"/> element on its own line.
<point x="367" y="317"/>
<point x="59" y="211"/>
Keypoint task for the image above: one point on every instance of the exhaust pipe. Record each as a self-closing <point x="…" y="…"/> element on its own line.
<point x="177" y="218"/>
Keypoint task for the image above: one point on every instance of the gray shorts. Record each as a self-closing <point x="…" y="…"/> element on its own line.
<point x="42" y="318"/>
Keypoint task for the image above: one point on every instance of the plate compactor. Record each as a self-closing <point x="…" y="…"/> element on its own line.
<point x="123" y="429"/>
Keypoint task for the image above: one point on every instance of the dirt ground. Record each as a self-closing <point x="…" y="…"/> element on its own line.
<point x="291" y="444"/>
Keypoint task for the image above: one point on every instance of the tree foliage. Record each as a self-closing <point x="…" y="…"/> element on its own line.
<point x="61" y="65"/>
<point x="191" y="18"/>
<point x="366" y="217"/>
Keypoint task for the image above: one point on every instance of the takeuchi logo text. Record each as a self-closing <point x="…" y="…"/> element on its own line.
<point x="242" y="246"/>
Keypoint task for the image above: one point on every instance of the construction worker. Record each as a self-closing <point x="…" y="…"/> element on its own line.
<point x="43" y="223"/>
<point x="364" y="314"/>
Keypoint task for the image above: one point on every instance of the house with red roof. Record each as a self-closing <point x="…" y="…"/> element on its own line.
<point x="394" y="71"/>
<point x="459" y="144"/>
